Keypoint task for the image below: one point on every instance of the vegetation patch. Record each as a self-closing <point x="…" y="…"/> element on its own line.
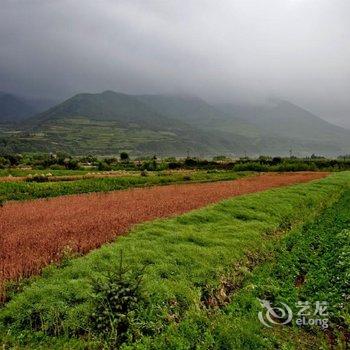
<point x="36" y="233"/>
<point x="117" y="297"/>
<point x="309" y="266"/>
<point x="40" y="186"/>
<point x="177" y="275"/>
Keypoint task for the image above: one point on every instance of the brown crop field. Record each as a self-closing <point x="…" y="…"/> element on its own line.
<point x="35" y="233"/>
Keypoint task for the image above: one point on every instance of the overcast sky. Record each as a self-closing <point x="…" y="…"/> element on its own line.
<point x="222" y="50"/>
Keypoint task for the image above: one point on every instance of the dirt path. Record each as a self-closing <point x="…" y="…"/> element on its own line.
<point x="34" y="233"/>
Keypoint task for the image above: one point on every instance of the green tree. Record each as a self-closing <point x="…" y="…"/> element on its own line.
<point x="124" y="157"/>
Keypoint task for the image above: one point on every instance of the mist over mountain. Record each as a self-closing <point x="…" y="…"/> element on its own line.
<point x="234" y="50"/>
<point x="14" y="109"/>
<point x="109" y="122"/>
<point x="276" y="126"/>
<point x="194" y="76"/>
<point x="282" y="118"/>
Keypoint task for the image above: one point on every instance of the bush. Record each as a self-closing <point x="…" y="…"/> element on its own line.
<point x="38" y="178"/>
<point x="116" y="298"/>
<point x="124" y="157"/>
<point x="103" y="166"/>
<point x="251" y="166"/>
<point x="150" y="166"/>
<point x="190" y="162"/>
<point x="72" y="164"/>
<point x="174" y="165"/>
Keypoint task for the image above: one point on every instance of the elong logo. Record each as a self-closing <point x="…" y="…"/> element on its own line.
<point x="275" y="315"/>
<point x="282" y="314"/>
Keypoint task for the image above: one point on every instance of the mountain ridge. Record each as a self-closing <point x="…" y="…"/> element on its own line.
<point x="108" y="122"/>
<point x="284" y="118"/>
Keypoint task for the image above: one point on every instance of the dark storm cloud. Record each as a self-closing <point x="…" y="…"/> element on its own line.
<point x="221" y="50"/>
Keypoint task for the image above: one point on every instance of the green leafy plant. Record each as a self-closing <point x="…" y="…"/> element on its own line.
<point x="117" y="295"/>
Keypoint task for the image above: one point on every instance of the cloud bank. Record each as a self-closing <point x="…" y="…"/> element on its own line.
<point x="231" y="50"/>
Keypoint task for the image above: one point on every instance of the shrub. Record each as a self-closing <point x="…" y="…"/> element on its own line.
<point x="38" y="178"/>
<point x="117" y="296"/>
<point x="190" y="162"/>
<point x="72" y="164"/>
<point x="103" y="166"/>
<point x="174" y="165"/>
<point x="251" y="166"/>
<point x="124" y="157"/>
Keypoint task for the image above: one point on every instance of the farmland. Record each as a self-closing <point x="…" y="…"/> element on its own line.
<point x="21" y="189"/>
<point x="174" y="175"/>
<point x="202" y="271"/>
<point x="82" y="223"/>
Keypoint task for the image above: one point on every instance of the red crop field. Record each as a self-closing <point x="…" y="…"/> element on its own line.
<point x="35" y="233"/>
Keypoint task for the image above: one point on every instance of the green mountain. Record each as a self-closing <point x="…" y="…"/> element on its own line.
<point x="190" y="109"/>
<point x="108" y="106"/>
<point x="109" y="122"/>
<point x="199" y="113"/>
<point x="273" y="128"/>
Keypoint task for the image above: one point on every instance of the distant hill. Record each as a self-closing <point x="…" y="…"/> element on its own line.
<point x="109" y="122"/>
<point x="13" y="108"/>
<point x="273" y="128"/>
<point x="191" y="109"/>
<point x="279" y="118"/>
<point x="42" y="104"/>
<point x="199" y="113"/>
<point x="283" y="118"/>
<point x="124" y="109"/>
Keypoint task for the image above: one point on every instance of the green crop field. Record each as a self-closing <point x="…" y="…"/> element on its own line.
<point x="193" y="281"/>
<point x="16" y="172"/>
<point x="30" y="190"/>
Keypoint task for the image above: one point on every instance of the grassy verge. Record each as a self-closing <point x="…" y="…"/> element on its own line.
<point x="310" y="264"/>
<point x="32" y="190"/>
<point x="193" y="265"/>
